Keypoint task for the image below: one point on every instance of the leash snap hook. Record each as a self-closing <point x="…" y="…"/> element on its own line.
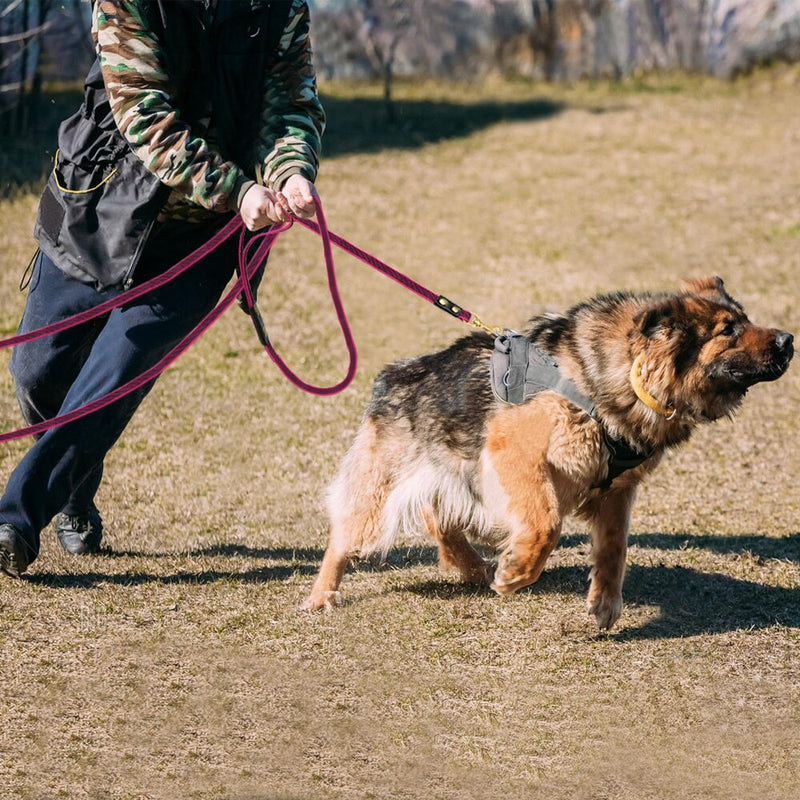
<point x="492" y="330"/>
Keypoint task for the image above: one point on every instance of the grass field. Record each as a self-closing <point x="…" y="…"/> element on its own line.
<point x="176" y="665"/>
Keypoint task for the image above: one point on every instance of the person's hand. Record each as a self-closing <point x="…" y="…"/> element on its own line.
<point x="261" y="207"/>
<point x="299" y="193"/>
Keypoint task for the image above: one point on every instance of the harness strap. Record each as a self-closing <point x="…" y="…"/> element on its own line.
<point x="622" y="457"/>
<point x="519" y="371"/>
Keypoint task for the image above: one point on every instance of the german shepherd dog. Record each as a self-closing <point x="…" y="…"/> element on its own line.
<point x="438" y="450"/>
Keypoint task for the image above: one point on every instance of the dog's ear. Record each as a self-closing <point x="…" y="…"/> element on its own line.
<point x="711" y="288"/>
<point x="656" y="318"/>
<point x="711" y="285"/>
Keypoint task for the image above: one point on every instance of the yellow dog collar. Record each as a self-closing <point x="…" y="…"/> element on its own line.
<point x="643" y="394"/>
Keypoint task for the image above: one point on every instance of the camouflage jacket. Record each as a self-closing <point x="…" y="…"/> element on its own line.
<point x="189" y="101"/>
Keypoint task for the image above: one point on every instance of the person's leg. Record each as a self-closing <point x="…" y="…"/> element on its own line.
<point x="44" y="369"/>
<point x="134" y="338"/>
<point x="79" y="526"/>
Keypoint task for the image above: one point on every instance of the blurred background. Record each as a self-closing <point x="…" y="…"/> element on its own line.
<point x="47" y="41"/>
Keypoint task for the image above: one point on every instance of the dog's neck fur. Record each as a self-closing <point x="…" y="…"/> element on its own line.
<point x="600" y="365"/>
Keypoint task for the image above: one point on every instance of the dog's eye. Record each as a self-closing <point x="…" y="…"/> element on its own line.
<point x="729" y="329"/>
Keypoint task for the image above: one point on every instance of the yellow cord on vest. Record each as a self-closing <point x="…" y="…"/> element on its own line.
<point x="78" y="191"/>
<point x="643" y="394"/>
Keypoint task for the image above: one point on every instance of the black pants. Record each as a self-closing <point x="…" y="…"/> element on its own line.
<point x="57" y="374"/>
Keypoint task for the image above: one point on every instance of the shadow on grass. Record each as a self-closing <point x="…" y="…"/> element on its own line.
<point x="783" y="547"/>
<point x="358" y="125"/>
<point x="693" y="603"/>
<point x="355" y="125"/>
<point x="313" y="554"/>
<point x="296" y="561"/>
<point x="690" y="602"/>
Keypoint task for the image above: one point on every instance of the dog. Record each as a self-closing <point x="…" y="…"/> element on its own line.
<point x="503" y="460"/>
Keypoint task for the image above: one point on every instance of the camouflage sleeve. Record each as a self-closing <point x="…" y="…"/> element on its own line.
<point x="292" y="120"/>
<point x="141" y="101"/>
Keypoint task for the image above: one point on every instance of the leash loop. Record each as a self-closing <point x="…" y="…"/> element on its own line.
<point x="333" y="290"/>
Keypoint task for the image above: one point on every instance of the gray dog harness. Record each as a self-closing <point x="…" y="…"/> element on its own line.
<point x="520" y="370"/>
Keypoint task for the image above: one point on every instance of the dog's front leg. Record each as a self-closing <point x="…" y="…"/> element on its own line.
<point x="519" y="486"/>
<point x="522" y="562"/>
<point x="325" y="592"/>
<point x="535" y="523"/>
<point x="610" y="521"/>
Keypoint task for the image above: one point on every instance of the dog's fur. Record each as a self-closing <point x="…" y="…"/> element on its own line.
<point x="438" y="451"/>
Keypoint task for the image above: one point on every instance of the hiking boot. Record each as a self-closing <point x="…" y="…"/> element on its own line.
<point x="80" y="534"/>
<point x="13" y="551"/>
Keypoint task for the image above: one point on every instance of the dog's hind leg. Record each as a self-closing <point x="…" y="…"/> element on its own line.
<point x="355" y="506"/>
<point x="455" y="551"/>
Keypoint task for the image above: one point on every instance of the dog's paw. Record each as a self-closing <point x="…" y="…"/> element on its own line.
<point x="509" y="576"/>
<point x="321" y="601"/>
<point x="502" y="588"/>
<point x="606" y="608"/>
<point x="505" y="584"/>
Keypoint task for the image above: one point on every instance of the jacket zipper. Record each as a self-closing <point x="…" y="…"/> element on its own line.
<point x="127" y="281"/>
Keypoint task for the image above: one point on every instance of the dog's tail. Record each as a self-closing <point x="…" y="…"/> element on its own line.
<point x="425" y="492"/>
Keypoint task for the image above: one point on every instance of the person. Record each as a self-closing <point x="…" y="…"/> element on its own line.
<point x="193" y="111"/>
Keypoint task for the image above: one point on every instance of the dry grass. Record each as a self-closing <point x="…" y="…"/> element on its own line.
<point x="175" y="663"/>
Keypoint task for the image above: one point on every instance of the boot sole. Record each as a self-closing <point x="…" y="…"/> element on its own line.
<point x="8" y="563"/>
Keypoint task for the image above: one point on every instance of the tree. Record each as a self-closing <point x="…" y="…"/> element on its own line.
<point x="31" y="33"/>
<point x="22" y="26"/>
<point x="429" y="37"/>
<point x="384" y="23"/>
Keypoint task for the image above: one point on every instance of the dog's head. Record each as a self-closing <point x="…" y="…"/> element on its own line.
<point x="702" y="353"/>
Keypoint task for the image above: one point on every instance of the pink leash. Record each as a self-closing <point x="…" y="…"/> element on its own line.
<point x="248" y="264"/>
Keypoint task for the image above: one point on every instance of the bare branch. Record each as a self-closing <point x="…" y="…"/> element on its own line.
<point x="9" y="8"/>
<point x="32" y="33"/>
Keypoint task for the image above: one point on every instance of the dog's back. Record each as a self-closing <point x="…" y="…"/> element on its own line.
<point x="443" y="397"/>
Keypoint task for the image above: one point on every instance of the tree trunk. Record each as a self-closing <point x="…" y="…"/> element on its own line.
<point x="35" y="97"/>
<point x="388" y="103"/>
<point x="22" y="110"/>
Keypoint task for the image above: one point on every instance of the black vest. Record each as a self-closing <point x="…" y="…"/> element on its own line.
<point x="100" y="201"/>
